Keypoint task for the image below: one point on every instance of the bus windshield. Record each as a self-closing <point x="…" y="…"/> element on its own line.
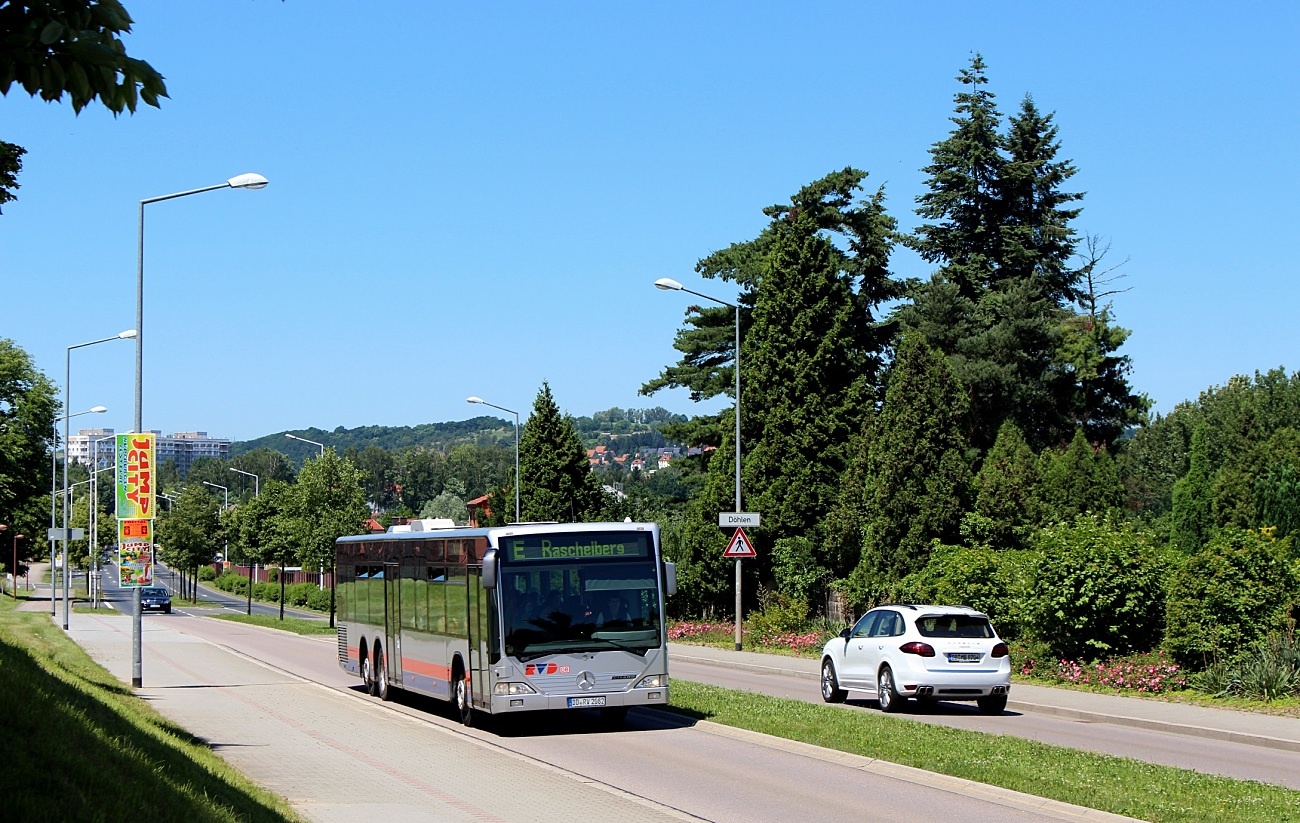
<point x="568" y="606"/>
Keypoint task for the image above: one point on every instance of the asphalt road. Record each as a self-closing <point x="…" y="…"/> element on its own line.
<point x="266" y="699"/>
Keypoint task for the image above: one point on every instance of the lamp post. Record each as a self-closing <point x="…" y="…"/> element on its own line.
<point x="225" y="506"/>
<point x="668" y="284"/>
<point x="94" y="496"/>
<point x="242" y="181"/>
<point x="305" y="440"/>
<point x="54" y="477"/>
<point x="92" y="523"/>
<point x="252" y="567"/>
<point x="129" y="334"/>
<point x="483" y="402"/>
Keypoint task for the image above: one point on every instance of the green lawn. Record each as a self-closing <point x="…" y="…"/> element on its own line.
<point x="297" y="625"/>
<point x="1104" y="782"/>
<point x="79" y="746"/>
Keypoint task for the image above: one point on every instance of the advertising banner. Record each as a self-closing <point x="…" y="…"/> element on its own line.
<point x="135" y="471"/>
<point x="135" y="553"/>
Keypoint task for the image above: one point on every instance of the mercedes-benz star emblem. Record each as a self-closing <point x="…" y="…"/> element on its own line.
<point x="586" y="681"/>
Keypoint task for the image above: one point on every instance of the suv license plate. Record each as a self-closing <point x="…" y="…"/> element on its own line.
<point x="585" y="702"/>
<point x="964" y="657"/>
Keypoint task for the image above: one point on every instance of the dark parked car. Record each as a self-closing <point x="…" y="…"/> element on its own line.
<point x="155" y="598"/>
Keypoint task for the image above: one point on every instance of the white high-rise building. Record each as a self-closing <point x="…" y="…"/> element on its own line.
<point x="182" y="447"/>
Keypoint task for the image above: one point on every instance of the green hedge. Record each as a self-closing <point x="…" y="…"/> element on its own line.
<point x="1239" y="589"/>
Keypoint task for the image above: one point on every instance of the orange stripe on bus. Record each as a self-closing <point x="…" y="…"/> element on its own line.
<point x="437" y="672"/>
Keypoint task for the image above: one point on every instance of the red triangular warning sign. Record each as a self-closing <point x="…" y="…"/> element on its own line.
<point x="740" y="546"/>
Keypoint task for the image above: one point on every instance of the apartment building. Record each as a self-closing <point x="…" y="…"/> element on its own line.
<point x="182" y="447"/>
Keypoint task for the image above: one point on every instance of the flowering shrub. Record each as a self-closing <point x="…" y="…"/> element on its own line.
<point x="704" y="631"/>
<point x="697" y="630"/>
<point x="807" y="641"/>
<point x="1146" y="673"/>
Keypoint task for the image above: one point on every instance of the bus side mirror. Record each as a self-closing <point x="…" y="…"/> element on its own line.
<point x="670" y="578"/>
<point x="490" y="570"/>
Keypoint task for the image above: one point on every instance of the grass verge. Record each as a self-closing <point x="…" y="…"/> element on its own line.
<point x="297" y="625"/>
<point x="1098" y="781"/>
<point x="78" y="745"/>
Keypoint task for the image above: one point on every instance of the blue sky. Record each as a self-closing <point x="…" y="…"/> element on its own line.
<point x="470" y="199"/>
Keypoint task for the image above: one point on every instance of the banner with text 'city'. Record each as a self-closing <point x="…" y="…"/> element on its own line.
<point x="135" y="476"/>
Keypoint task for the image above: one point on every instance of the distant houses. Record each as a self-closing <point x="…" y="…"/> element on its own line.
<point x="646" y="459"/>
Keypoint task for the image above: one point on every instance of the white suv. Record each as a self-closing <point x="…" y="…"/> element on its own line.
<point x="897" y="651"/>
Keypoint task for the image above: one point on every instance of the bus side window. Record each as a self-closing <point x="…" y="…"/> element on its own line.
<point x="457" y="601"/>
<point x="437" y="599"/>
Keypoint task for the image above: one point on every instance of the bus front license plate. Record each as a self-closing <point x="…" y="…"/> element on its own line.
<point x="585" y="702"/>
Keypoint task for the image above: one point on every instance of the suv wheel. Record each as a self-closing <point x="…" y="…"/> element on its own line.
<point x="831" y="691"/>
<point x="890" y="700"/>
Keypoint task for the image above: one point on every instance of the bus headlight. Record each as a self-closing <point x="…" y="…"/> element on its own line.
<point x="513" y="688"/>
<point x="654" y="681"/>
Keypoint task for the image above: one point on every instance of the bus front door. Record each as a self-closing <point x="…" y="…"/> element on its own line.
<point x="393" y="622"/>
<point x="477" y="606"/>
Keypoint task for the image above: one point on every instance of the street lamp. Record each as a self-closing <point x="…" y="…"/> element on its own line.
<point x="92" y="522"/>
<point x="242" y="181"/>
<point x="129" y="334"/>
<point x="305" y="440"/>
<point x="54" y="477"/>
<point x="225" y="507"/>
<point x="669" y="284"/>
<point x="483" y="402"/>
<point x="252" y="567"/>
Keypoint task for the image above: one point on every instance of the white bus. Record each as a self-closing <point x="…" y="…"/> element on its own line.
<point x="520" y="618"/>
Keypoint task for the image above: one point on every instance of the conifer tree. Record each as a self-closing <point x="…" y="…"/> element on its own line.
<point x="1079" y="480"/>
<point x="811" y="356"/>
<point x="556" y="482"/>
<point x="918" y="475"/>
<point x="1007" y="489"/>
<point x="1193" y="516"/>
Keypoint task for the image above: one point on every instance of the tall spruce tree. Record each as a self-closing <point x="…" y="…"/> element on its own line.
<point x="812" y="348"/>
<point x="811" y="358"/>
<point x="918" y="475"/>
<point x="1000" y="303"/>
<point x="556" y="482"/>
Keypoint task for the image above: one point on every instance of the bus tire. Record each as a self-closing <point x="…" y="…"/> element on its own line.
<point x="460" y="690"/>
<point x="367" y="672"/>
<point x="382" y="688"/>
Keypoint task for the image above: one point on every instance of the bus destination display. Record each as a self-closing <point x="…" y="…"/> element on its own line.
<point x="576" y="546"/>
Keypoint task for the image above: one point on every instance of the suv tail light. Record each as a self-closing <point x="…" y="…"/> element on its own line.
<point x="1000" y="650"/>
<point x="922" y="649"/>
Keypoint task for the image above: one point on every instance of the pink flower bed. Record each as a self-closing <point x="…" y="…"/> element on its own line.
<point x="1149" y="673"/>
<point x="692" y="629"/>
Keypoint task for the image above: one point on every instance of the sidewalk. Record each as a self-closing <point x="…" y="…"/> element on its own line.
<point x="1266" y="730"/>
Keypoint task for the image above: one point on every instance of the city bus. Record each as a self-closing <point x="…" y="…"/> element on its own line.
<point x="522" y="618"/>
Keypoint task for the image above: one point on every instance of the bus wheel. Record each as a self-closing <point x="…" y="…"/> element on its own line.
<point x="382" y="690"/>
<point x="367" y="672"/>
<point x="464" y="707"/>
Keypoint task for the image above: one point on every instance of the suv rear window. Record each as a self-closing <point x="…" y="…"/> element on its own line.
<point x="954" y="625"/>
